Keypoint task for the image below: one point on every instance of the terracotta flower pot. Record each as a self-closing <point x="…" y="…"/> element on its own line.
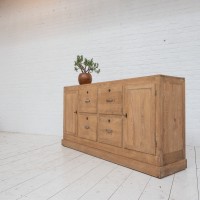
<point x="84" y="78"/>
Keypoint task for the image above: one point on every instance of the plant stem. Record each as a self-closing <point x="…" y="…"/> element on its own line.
<point x="82" y="68"/>
<point x="85" y="69"/>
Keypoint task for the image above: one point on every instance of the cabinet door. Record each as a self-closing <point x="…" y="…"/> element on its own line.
<point x="139" y="124"/>
<point x="70" y="112"/>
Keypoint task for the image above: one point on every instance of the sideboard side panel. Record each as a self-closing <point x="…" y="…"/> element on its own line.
<point x="173" y="114"/>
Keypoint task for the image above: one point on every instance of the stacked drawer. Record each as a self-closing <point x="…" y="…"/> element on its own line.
<point x="100" y="114"/>
<point x="87" y="118"/>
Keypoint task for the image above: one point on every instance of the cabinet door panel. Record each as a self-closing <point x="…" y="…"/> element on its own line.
<point x="139" y="130"/>
<point x="70" y="112"/>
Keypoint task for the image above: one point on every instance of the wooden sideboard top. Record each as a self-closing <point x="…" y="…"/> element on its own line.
<point x="136" y="79"/>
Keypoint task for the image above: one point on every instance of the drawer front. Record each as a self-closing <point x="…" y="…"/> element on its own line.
<point x="110" y="99"/>
<point x="110" y="130"/>
<point x="87" y="126"/>
<point x="88" y="99"/>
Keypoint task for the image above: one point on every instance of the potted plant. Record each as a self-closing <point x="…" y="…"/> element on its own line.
<point x="86" y="66"/>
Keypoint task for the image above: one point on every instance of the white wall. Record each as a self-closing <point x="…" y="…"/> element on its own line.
<point x="40" y="39"/>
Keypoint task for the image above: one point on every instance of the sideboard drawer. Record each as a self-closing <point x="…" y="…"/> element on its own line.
<point x="88" y="99"/>
<point x="110" y="99"/>
<point x="87" y="126"/>
<point x="110" y="130"/>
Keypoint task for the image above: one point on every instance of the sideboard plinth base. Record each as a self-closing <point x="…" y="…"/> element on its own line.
<point x="146" y="168"/>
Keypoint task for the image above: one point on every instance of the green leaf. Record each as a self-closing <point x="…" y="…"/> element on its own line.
<point x="85" y="65"/>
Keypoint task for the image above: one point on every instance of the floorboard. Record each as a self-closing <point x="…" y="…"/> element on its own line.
<point x="108" y="185"/>
<point x="43" y="169"/>
<point x="185" y="182"/>
<point x="132" y="188"/>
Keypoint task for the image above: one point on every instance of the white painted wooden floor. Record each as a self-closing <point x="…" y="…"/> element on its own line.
<point x="37" y="167"/>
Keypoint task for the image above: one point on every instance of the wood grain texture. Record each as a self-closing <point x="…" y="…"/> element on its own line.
<point x="140" y="108"/>
<point x="110" y="99"/>
<point x="173" y="117"/>
<point x="87" y="126"/>
<point x="141" y="120"/>
<point x="70" y="112"/>
<point x="110" y="130"/>
<point x="173" y="157"/>
<point x="152" y="170"/>
<point x="147" y="158"/>
<point x="133" y="164"/>
<point x="88" y="99"/>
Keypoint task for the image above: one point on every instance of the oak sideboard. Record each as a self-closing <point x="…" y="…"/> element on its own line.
<point x="138" y="123"/>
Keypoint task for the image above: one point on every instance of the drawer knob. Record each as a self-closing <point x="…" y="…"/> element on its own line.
<point x="87" y="101"/>
<point x="125" y="115"/>
<point x="87" y="127"/>
<point x="75" y="112"/>
<point x="109" y="100"/>
<point x="109" y="131"/>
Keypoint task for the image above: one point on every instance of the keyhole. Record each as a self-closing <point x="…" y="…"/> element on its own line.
<point x="109" y="90"/>
<point x="87" y="92"/>
<point x="86" y="118"/>
<point x="109" y="121"/>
